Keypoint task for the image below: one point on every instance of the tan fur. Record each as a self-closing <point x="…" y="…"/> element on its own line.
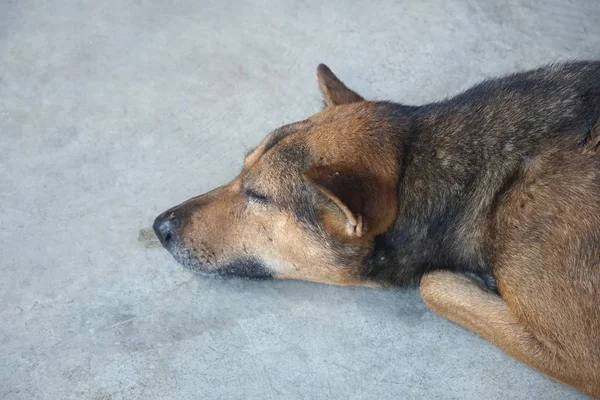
<point x="460" y="300"/>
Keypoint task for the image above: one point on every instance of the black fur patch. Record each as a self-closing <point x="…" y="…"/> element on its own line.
<point x="248" y="268"/>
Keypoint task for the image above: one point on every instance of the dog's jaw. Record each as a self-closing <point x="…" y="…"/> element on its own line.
<point x="246" y="268"/>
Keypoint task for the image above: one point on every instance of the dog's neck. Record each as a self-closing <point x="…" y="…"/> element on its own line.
<point x="457" y="159"/>
<point x="438" y="177"/>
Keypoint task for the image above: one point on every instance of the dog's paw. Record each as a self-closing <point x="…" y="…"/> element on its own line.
<point x="484" y="279"/>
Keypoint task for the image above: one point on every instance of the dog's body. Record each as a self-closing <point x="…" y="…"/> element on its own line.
<point x="502" y="179"/>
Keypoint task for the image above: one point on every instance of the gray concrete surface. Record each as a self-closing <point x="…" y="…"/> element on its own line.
<point x="111" y="111"/>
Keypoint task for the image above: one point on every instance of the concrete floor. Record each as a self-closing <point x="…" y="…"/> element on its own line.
<point x="111" y="111"/>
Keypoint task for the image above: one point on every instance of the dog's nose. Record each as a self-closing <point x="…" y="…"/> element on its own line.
<point x="165" y="228"/>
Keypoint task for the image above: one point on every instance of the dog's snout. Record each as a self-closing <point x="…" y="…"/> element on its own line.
<point x="165" y="228"/>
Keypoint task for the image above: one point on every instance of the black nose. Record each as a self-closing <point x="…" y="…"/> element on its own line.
<point x="165" y="228"/>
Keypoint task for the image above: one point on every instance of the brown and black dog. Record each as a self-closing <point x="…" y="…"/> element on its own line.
<point x="500" y="181"/>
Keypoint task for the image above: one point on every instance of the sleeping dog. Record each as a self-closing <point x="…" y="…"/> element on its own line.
<point x="501" y="182"/>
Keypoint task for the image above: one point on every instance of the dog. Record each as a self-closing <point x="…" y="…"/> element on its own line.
<point x="501" y="182"/>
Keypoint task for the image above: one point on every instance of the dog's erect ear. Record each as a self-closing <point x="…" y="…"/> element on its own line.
<point x="352" y="204"/>
<point x="334" y="91"/>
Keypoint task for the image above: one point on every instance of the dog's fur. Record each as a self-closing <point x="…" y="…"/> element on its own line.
<point x="503" y="179"/>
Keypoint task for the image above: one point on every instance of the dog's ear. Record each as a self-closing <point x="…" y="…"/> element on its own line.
<point x="334" y="91"/>
<point x="341" y="210"/>
<point x="352" y="204"/>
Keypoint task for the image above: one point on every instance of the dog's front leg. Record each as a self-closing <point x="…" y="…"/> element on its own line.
<point x="462" y="301"/>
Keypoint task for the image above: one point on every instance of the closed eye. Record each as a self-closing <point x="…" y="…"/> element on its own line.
<point x="252" y="195"/>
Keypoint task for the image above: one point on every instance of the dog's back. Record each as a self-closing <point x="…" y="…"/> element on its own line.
<point x="530" y="104"/>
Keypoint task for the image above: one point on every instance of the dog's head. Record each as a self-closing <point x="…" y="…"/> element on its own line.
<point x="308" y="202"/>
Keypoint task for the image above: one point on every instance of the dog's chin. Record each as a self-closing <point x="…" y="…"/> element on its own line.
<point x="245" y="268"/>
